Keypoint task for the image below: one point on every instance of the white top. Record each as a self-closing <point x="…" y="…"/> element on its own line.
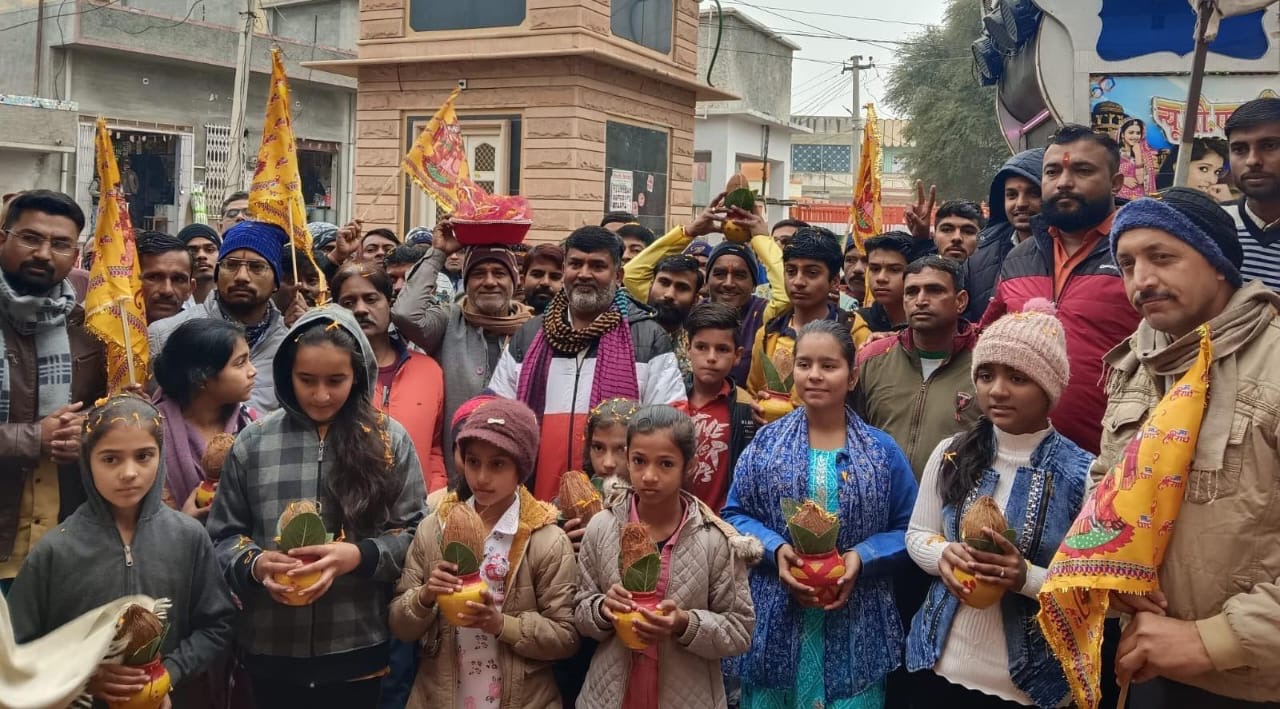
<point x="929" y="365"/>
<point x="976" y="654"/>
<point x="479" y="674"/>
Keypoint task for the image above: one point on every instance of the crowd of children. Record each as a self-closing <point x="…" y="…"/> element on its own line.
<point x="726" y="617"/>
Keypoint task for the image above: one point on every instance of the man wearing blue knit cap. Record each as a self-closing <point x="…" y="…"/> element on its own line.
<point x="247" y="274"/>
<point x="1207" y="638"/>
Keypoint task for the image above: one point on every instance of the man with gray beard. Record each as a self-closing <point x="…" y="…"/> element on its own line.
<point x="593" y="343"/>
<point x="467" y="337"/>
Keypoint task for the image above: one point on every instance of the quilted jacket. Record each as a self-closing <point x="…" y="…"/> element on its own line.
<point x="538" y="606"/>
<point x="708" y="579"/>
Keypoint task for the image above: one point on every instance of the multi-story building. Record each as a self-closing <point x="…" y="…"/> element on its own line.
<point x="582" y="106"/>
<point x="822" y="169"/>
<point x="162" y="73"/>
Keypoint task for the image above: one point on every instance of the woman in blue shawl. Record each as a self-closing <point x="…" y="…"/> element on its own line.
<point x="842" y="652"/>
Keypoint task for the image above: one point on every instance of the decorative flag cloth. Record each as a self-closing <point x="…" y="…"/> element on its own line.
<point x="275" y="196"/>
<point x="1118" y="541"/>
<point x="437" y="162"/>
<point x="865" y="217"/>
<point x="113" y="305"/>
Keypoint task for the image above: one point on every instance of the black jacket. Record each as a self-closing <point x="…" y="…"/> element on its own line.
<point x="982" y="270"/>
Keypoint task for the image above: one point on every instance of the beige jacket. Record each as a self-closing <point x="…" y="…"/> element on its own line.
<point x="1222" y="567"/>
<point x="708" y="578"/>
<point x="538" y="607"/>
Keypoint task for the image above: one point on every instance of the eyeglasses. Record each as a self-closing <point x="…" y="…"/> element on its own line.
<point x="256" y="268"/>
<point x="32" y="241"/>
<point x="236" y="212"/>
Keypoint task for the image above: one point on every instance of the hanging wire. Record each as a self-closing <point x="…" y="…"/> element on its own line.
<point x="719" y="34"/>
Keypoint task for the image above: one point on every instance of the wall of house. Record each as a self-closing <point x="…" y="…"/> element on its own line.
<point x="564" y="104"/>
<point x="751" y="64"/>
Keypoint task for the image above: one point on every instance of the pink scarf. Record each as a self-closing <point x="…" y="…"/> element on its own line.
<point x="184" y="447"/>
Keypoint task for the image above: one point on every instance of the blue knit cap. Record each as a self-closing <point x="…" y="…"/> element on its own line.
<point x="1191" y="216"/>
<point x="743" y="251"/>
<point x="264" y="239"/>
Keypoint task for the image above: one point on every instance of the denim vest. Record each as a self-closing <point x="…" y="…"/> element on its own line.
<point x="1042" y="505"/>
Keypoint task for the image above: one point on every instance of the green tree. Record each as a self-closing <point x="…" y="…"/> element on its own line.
<point x="955" y="138"/>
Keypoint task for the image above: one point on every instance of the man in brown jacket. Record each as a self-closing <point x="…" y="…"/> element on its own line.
<point x="1211" y="636"/>
<point x="51" y="368"/>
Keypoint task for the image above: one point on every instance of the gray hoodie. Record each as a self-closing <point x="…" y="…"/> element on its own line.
<point x="278" y="459"/>
<point x="84" y="563"/>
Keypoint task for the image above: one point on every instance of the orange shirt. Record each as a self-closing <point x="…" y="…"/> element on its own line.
<point x="1064" y="264"/>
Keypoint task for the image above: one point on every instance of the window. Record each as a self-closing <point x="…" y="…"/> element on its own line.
<point x="820" y="158"/>
<point x="493" y="154"/>
<point x="635" y="173"/>
<point x="430" y="15"/>
<point x="645" y="22"/>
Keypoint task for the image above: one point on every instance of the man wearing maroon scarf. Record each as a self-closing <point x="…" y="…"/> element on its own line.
<point x="592" y="344"/>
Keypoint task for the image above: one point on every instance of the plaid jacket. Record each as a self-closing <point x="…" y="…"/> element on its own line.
<point x="279" y="459"/>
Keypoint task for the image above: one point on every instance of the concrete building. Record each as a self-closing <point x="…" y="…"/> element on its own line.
<point x="821" y="169"/>
<point x="162" y="72"/>
<point x="582" y="106"/>
<point x="751" y="135"/>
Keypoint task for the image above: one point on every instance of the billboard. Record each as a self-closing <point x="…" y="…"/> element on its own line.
<point x="1145" y="115"/>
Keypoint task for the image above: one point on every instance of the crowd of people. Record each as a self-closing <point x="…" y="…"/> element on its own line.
<point x="706" y="385"/>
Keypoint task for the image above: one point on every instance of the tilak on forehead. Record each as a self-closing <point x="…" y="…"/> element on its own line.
<point x="1066" y="159"/>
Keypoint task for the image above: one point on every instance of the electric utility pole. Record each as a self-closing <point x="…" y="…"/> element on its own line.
<point x="856" y="67"/>
<point x="239" y="101"/>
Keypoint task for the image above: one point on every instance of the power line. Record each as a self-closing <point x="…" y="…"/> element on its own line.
<point x="773" y="54"/>
<point x="164" y="26"/>
<point x="86" y="11"/>
<point x="829" y="34"/>
<point x="832" y="14"/>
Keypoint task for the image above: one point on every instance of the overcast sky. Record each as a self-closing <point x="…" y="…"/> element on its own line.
<point x="817" y="86"/>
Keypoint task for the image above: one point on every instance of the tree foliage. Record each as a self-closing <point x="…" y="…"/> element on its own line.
<point x="955" y="137"/>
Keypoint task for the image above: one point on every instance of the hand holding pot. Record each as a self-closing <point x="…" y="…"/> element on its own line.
<point x="955" y="556"/>
<point x="441" y="581"/>
<point x="575" y="531"/>
<point x="484" y="615"/>
<point x="710" y="221"/>
<point x="669" y="621"/>
<point x="852" y="567"/>
<point x="616" y="600"/>
<point x="268" y="566"/>
<point x="117" y="683"/>
<point x="331" y="561"/>
<point x="1005" y="569"/>
<point x="806" y="596"/>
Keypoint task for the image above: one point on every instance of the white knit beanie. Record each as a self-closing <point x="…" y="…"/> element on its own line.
<point x="1032" y="342"/>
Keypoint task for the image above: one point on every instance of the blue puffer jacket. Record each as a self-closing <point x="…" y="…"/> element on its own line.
<point x="996" y="241"/>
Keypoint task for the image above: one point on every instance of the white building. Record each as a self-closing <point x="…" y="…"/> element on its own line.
<point x="751" y="135"/>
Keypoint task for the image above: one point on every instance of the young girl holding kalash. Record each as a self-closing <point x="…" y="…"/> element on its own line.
<point x="124" y="540"/>
<point x="499" y="653"/>
<point x="327" y="443"/>
<point x="706" y="614"/>
<point x="996" y="656"/>
<point x="805" y="654"/>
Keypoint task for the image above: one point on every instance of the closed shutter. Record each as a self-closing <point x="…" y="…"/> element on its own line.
<point x="86" y="170"/>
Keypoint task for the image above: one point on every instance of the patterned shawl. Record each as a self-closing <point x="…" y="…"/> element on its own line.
<point x="1119" y="538"/>
<point x="863" y="640"/>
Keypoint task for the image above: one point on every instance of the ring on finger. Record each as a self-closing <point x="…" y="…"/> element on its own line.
<point x="1002" y="573"/>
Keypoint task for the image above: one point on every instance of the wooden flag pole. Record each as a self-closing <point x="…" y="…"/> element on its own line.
<point x="128" y="338"/>
<point x="386" y="186"/>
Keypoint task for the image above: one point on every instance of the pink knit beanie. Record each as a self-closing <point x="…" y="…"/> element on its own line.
<point x="508" y="425"/>
<point x="1032" y="342"/>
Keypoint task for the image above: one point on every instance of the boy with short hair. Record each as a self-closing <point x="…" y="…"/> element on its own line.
<point x="721" y="411"/>
<point x="887" y="259"/>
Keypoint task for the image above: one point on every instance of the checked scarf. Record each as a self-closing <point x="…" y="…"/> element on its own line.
<point x="615" y="374"/>
<point x="44" y="318"/>
<point x="1118" y="541"/>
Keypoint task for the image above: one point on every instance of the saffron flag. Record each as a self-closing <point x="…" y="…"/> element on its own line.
<point x="437" y="162"/>
<point x="1118" y="541"/>
<point x="275" y="195"/>
<point x="113" y="305"/>
<point x="865" y="216"/>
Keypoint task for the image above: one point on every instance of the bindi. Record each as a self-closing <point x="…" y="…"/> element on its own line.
<point x="1066" y="159"/>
